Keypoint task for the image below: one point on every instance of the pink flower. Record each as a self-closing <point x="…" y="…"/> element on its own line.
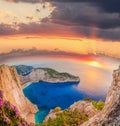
<point x="7" y="104"/>
<point x="6" y="119"/>
<point x="14" y="108"/>
<point x="20" y="124"/>
<point x="1" y="102"/>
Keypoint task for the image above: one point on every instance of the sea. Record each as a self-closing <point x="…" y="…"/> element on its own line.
<point x="94" y="82"/>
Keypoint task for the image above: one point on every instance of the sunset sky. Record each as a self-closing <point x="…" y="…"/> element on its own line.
<point x="66" y="27"/>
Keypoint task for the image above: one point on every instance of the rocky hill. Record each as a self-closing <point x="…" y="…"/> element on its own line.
<point x="11" y="86"/>
<point x="48" y="75"/>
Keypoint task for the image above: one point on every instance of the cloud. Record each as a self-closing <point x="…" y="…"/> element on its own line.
<point x="87" y="20"/>
<point x="15" y="53"/>
<point x="35" y="52"/>
<point x="74" y="18"/>
<point x="26" y="1"/>
<point x="48" y="29"/>
<point x="85" y="15"/>
<point x="7" y="30"/>
<point x="111" y="6"/>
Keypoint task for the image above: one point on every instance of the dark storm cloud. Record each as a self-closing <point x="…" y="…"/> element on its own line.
<point x="85" y="15"/>
<point x="87" y="20"/>
<point x="111" y="6"/>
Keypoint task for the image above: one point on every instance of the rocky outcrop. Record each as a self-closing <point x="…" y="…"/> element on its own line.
<point x="85" y="107"/>
<point x="110" y="115"/>
<point x="48" y="75"/>
<point x="10" y="85"/>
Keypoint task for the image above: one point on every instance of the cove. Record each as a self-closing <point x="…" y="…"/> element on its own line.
<point x="50" y="95"/>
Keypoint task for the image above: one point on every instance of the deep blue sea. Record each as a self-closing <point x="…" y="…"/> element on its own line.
<point x="50" y="95"/>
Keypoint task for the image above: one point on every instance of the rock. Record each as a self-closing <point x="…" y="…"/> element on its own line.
<point x="51" y="115"/>
<point x="48" y="75"/>
<point x="110" y="115"/>
<point x="11" y="86"/>
<point x="82" y="106"/>
<point x="85" y="107"/>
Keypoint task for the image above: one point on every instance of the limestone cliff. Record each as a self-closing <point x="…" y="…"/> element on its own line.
<point x="10" y="85"/>
<point x="110" y="115"/>
<point x="49" y="75"/>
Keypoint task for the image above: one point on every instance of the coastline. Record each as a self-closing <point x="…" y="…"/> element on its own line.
<point x="51" y="82"/>
<point x="26" y="85"/>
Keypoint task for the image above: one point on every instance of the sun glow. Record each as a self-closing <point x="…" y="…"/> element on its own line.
<point x="94" y="63"/>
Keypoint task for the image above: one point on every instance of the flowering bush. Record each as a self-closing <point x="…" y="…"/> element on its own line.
<point x="9" y="114"/>
<point x="1" y="102"/>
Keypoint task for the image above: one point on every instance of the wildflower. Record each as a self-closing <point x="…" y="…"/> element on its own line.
<point x="6" y="104"/>
<point x="1" y="102"/>
<point x="6" y="120"/>
<point x="16" y="111"/>
<point x="14" y="108"/>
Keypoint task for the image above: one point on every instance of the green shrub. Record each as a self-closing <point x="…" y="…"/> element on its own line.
<point x="57" y="109"/>
<point x="66" y="118"/>
<point x="97" y="104"/>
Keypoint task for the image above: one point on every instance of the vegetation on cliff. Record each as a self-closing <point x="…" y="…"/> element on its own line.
<point x="66" y="118"/>
<point x="9" y="114"/>
<point x="25" y="70"/>
<point x="55" y="74"/>
<point x="70" y="116"/>
<point x="97" y="104"/>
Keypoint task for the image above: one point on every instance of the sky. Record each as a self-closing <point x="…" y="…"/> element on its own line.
<point x="59" y="27"/>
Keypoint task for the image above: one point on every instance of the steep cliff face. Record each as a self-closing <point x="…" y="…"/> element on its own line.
<point x="10" y="85"/>
<point x="110" y="115"/>
<point x="49" y="75"/>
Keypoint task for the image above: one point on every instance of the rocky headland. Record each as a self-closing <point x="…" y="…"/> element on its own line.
<point x="48" y="75"/>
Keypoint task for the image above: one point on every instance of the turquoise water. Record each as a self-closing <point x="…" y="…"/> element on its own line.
<point x="50" y="95"/>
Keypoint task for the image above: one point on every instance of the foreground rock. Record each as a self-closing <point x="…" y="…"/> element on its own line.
<point x="110" y="115"/>
<point x="85" y="107"/>
<point x="10" y="85"/>
<point x="48" y="75"/>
